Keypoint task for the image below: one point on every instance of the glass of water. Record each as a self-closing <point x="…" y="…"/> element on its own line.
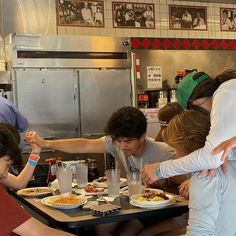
<point x="113" y="182"/>
<point x="134" y="183"/>
<point x="81" y="173"/>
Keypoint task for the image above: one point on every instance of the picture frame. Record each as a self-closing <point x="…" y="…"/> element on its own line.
<point x="80" y="13"/>
<point x="187" y="17"/>
<point x="133" y="15"/>
<point x="228" y="19"/>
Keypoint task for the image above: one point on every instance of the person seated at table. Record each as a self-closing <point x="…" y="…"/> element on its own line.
<point x="21" y="180"/>
<point x="165" y="114"/>
<point x="211" y="200"/>
<point x="125" y="139"/>
<point x="14" y="219"/>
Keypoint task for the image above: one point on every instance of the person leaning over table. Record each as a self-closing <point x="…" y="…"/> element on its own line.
<point x="216" y="96"/>
<point x="211" y="200"/>
<point x="185" y="132"/>
<point x="125" y="139"/>
<point x="14" y="219"/>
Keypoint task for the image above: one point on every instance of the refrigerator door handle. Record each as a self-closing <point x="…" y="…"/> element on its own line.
<point x="90" y="135"/>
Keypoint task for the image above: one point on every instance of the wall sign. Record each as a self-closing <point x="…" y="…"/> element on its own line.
<point x="154" y="77"/>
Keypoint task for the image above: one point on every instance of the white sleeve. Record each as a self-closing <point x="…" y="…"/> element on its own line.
<point x="223" y="126"/>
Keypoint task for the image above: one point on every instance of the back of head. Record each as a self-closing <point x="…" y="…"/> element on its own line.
<point x="187" y="131"/>
<point x="165" y="114"/>
<point x="8" y="145"/>
<point x="128" y="122"/>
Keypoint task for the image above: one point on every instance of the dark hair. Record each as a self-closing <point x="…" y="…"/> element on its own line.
<point x="9" y="138"/>
<point x="126" y="122"/>
<point x="208" y="86"/>
<point x="165" y="114"/>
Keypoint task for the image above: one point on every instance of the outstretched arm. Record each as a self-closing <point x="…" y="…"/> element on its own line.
<point x="76" y="145"/>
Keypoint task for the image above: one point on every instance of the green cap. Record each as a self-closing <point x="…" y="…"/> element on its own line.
<point x="186" y="87"/>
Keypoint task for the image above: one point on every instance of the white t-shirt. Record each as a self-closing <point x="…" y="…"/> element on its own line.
<point x="223" y="126"/>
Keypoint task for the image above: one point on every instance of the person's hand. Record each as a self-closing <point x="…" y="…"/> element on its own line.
<point x="226" y="147"/>
<point x="32" y="137"/>
<point x="184" y="189"/>
<point x="148" y="173"/>
<point x="210" y="173"/>
<point x="35" y="149"/>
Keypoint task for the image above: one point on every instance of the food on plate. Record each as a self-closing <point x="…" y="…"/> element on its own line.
<point x="65" y="200"/>
<point x="152" y="196"/>
<point x="34" y="191"/>
<point x="102" y="179"/>
<point x="91" y="189"/>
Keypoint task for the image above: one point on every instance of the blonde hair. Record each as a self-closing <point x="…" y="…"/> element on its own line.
<point x="187" y="131"/>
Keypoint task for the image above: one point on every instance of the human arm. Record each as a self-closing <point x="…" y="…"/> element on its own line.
<point x="184" y="189"/>
<point x="223" y="114"/>
<point x="33" y="227"/>
<point x="20" y="181"/>
<point x="77" y="145"/>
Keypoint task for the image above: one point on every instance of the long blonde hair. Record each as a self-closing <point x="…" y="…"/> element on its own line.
<point x="187" y="131"/>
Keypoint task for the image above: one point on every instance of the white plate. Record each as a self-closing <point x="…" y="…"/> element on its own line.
<point x="126" y="192"/>
<point x="123" y="182"/>
<point x="48" y="201"/>
<point x="83" y="192"/>
<point x="35" y="192"/>
<point x="151" y="203"/>
<point x="153" y="207"/>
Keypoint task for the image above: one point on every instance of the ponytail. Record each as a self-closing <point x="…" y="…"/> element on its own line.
<point x="226" y="75"/>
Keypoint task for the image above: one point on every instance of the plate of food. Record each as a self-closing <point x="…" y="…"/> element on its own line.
<point x="145" y="190"/>
<point x="152" y="199"/>
<point x="91" y="190"/>
<point x="35" y="192"/>
<point x="64" y="201"/>
<point x="133" y="203"/>
<point x="101" y="182"/>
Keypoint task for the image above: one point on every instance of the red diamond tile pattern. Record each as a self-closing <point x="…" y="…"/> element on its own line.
<point x="183" y="44"/>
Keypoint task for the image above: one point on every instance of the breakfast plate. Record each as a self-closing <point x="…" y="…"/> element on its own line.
<point x="152" y="199"/>
<point x="91" y="190"/>
<point x="133" y="203"/>
<point x="35" y="192"/>
<point x="145" y="190"/>
<point x="64" y="201"/>
<point x="102" y="182"/>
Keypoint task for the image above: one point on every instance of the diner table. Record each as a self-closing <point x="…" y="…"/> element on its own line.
<point x="79" y="217"/>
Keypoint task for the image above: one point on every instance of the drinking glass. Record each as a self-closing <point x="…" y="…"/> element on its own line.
<point x="81" y="173"/>
<point x="134" y="183"/>
<point x="64" y="177"/>
<point x="113" y="182"/>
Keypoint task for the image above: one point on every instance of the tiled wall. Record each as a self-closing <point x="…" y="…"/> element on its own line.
<point x="161" y="23"/>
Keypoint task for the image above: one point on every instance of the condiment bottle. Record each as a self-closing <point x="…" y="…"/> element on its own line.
<point x="92" y="170"/>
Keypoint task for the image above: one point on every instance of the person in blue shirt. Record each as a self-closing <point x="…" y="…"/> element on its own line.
<point x="9" y="114"/>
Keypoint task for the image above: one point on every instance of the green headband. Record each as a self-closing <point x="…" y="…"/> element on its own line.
<point x="186" y="87"/>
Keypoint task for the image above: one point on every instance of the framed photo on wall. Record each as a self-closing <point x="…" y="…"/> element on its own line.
<point x="228" y="19"/>
<point x="187" y="17"/>
<point x="133" y="15"/>
<point x="80" y="13"/>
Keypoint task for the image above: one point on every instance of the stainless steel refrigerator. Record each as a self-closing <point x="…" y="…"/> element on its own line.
<point x="68" y="86"/>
